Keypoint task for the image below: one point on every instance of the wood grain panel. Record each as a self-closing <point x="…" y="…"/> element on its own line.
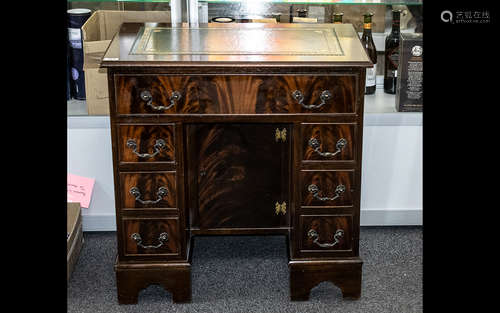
<point x="148" y="184"/>
<point x="275" y="95"/>
<point x="129" y="88"/>
<point x="150" y="229"/>
<point x="328" y="135"/>
<point x="327" y="182"/>
<point x="325" y="226"/>
<point x="242" y="172"/>
<point x="145" y="137"/>
<point x="230" y="94"/>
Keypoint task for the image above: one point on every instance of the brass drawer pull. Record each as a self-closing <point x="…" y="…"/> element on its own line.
<point x="314" y="143"/>
<point x="146" y="96"/>
<point x="299" y="97"/>
<point x="314" y="234"/>
<point x="162" y="192"/>
<point x="162" y="239"/>
<point x="315" y="191"/>
<point x="160" y="144"/>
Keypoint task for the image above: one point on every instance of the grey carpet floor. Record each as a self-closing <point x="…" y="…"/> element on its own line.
<point x="250" y="274"/>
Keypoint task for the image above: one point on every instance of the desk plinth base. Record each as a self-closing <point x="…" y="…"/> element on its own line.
<point x="345" y="274"/>
<point x="132" y="278"/>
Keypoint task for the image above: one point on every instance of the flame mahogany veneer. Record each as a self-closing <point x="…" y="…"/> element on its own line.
<point x="236" y="146"/>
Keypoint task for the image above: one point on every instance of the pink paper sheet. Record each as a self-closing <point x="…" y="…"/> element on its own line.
<point x="80" y="189"/>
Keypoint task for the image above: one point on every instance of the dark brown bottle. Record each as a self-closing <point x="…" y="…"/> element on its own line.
<point x="302" y="12"/>
<point x="337" y="18"/>
<point x="392" y="55"/>
<point x="369" y="45"/>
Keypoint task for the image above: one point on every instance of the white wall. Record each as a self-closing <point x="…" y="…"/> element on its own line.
<point x="391" y="183"/>
<point x="391" y="179"/>
<point x="89" y="155"/>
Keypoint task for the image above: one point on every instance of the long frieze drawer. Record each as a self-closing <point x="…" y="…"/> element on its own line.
<point x="327" y="188"/>
<point x="328" y="142"/>
<point x="148" y="190"/>
<point x="325" y="233"/>
<point x="242" y="94"/>
<point x="146" y="143"/>
<point x="151" y="236"/>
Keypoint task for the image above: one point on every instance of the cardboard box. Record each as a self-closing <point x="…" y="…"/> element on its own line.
<point x="74" y="238"/>
<point x="96" y="91"/>
<point x="409" y="86"/>
<point x="97" y="33"/>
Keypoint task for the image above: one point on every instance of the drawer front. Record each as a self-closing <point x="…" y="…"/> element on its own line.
<point x="151" y="236"/>
<point x="146" y="143"/>
<point x="242" y="94"/>
<point x="328" y="142"/>
<point x="325" y="233"/>
<point x="148" y="190"/>
<point x="317" y="94"/>
<point x="150" y="94"/>
<point x="327" y="188"/>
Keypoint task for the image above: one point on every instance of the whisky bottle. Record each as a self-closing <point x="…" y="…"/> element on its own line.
<point x="369" y="45"/>
<point x="392" y="55"/>
<point x="337" y="18"/>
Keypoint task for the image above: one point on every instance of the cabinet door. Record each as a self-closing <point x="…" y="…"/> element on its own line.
<point x="239" y="175"/>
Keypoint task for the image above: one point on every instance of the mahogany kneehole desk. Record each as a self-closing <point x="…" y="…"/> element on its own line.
<point x="236" y="129"/>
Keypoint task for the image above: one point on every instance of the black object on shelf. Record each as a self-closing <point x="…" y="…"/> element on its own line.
<point x="277" y="16"/>
<point x="301" y="12"/>
<point x="337" y="17"/>
<point x="68" y="85"/>
<point x="392" y="54"/>
<point x="371" y="51"/>
<point x="76" y="19"/>
<point x="409" y="92"/>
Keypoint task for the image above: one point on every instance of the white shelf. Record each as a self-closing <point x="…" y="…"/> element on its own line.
<point x="380" y="110"/>
<point x="88" y="121"/>
<point x="77" y="107"/>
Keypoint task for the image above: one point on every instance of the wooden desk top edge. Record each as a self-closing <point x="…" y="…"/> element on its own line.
<point x="117" y="54"/>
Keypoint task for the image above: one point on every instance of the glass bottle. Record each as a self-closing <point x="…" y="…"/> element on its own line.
<point x="392" y="55"/>
<point x="369" y="45"/>
<point x="302" y="12"/>
<point x="337" y="18"/>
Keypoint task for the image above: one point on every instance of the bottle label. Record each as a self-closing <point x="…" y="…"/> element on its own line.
<point x="395" y="58"/>
<point x="371" y="74"/>
<point x="75" y="38"/>
<point x="367" y="25"/>
<point x="392" y="58"/>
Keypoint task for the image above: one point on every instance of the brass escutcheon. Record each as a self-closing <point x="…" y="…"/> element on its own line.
<point x="280" y="135"/>
<point x="280" y="207"/>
